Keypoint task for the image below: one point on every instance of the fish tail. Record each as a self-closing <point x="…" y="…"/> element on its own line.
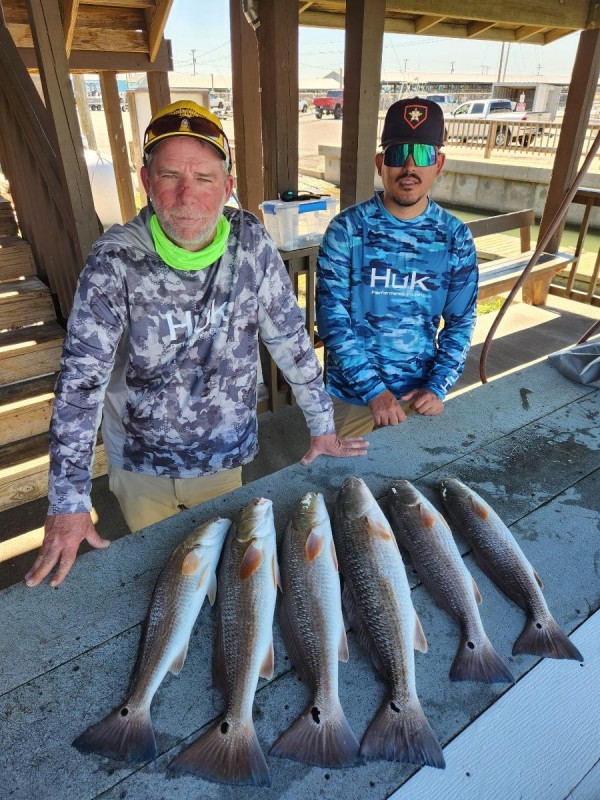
<point x="402" y="733"/>
<point x="227" y="753"/>
<point x="479" y="662"/>
<point x="321" y="742"/>
<point x="545" y="639"/>
<point x="125" y="734"/>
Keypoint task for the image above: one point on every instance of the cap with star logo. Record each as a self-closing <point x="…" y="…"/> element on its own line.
<point x="414" y="120"/>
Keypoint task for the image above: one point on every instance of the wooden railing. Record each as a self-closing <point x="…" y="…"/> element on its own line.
<point x="582" y="281"/>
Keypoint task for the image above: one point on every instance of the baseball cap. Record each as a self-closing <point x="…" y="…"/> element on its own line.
<point x="415" y="120"/>
<point x="187" y="118"/>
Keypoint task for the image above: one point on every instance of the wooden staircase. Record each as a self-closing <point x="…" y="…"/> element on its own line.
<point x="30" y="347"/>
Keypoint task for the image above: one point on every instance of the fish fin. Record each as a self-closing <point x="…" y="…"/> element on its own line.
<point x="190" y="563"/>
<point x="361" y="630"/>
<point x="179" y="660"/>
<point x="292" y="643"/>
<point x="343" y="653"/>
<point x="267" y="668"/>
<point x="427" y="516"/>
<point x="420" y="642"/>
<point x="202" y="578"/>
<point x="334" y="556"/>
<point x="229" y="752"/>
<point x="314" y="546"/>
<point x="480" y="509"/>
<point x="212" y="588"/>
<point x="538" y="580"/>
<point x="375" y="528"/>
<point x="319" y="741"/>
<point x="401" y="732"/>
<point x="219" y="666"/>
<point x="276" y="573"/>
<point x="479" y="662"/>
<point x="476" y="592"/>
<point x="445" y="521"/>
<point x="125" y="735"/>
<point x="251" y="561"/>
<point x="545" y="639"/>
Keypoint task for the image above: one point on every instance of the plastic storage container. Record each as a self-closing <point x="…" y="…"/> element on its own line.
<point x="298" y="223"/>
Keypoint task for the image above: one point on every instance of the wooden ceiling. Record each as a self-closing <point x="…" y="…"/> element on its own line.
<point x="101" y="26"/>
<point x="531" y="21"/>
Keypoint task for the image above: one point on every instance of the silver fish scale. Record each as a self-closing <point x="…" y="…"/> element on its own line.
<point x="312" y="594"/>
<point x="246" y="616"/>
<point x="375" y="573"/>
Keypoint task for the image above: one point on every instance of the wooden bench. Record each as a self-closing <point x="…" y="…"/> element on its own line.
<point x="503" y="258"/>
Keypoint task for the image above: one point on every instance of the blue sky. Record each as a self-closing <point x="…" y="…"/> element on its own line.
<point x="322" y="50"/>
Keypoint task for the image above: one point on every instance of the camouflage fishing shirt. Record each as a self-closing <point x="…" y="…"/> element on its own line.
<point x="171" y="359"/>
<point x="383" y="287"/>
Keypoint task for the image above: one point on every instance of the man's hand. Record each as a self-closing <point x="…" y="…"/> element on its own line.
<point x="386" y="410"/>
<point x="328" y="444"/>
<point x="63" y="533"/>
<point x="424" y="402"/>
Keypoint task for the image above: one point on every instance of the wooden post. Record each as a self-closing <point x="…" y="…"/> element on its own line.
<point x="136" y="146"/>
<point x="362" y="72"/>
<point x="118" y="144"/>
<point x="278" y="57"/>
<point x="582" y="89"/>
<point x="246" y="110"/>
<point x="158" y="89"/>
<point x="83" y="107"/>
<point x="48" y="37"/>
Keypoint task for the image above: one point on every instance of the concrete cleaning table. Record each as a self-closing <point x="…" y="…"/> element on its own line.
<point x="529" y="443"/>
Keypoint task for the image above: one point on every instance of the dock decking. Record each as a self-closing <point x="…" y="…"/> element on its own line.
<point x="528" y="442"/>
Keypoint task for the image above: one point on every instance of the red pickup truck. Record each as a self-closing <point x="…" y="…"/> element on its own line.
<point x="331" y="103"/>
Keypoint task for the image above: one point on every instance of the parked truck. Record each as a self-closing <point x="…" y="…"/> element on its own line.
<point x="331" y="103"/>
<point x="513" y="126"/>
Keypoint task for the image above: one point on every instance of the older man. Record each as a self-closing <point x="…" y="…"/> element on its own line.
<point x="389" y="271"/>
<point x="163" y="342"/>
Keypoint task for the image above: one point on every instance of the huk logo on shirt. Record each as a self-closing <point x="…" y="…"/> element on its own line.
<point x="393" y="280"/>
<point x="196" y="324"/>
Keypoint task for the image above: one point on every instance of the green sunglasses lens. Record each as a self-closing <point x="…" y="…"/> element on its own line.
<point x="424" y="155"/>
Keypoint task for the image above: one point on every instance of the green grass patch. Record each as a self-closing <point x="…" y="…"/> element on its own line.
<point x="493" y="304"/>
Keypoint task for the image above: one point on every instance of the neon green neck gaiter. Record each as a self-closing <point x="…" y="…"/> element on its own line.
<point x="180" y="258"/>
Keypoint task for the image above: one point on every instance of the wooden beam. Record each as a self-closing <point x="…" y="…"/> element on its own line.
<point x="246" y="110"/>
<point x="83" y="108"/>
<point x="553" y="36"/>
<point x="572" y="14"/>
<point x="278" y="64"/>
<point x="156" y="21"/>
<point x="158" y="90"/>
<point x="46" y="26"/>
<point x="476" y="28"/>
<point x="362" y="70"/>
<point x="68" y="10"/>
<point x="527" y="31"/>
<point x="118" y="143"/>
<point x="580" y="99"/>
<point x="426" y="22"/>
<point x="453" y="30"/>
<point x="97" y="61"/>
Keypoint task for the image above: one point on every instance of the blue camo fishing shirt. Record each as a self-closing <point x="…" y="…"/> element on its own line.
<point x="383" y="287"/>
<point x="170" y="358"/>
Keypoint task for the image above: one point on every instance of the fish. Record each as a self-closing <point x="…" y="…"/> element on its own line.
<point x="229" y="752"/>
<point x="500" y="557"/>
<point x="378" y="602"/>
<point x="189" y="575"/>
<point x="424" y="533"/>
<point x="312" y="624"/>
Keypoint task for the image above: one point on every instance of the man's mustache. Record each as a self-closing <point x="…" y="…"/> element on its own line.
<point x="408" y="174"/>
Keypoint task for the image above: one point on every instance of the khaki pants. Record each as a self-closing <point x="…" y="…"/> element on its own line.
<point x="351" y="420"/>
<point x="145" y="499"/>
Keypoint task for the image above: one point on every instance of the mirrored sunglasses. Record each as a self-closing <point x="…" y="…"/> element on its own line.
<point x="423" y="155"/>
<point x="173" y="123"/>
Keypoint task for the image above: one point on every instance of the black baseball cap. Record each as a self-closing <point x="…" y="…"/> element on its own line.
<point x="415" y="120"/>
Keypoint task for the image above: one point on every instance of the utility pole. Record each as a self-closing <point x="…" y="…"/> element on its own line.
<point x="194" y="61"/>
<point x="452" y="63"/>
